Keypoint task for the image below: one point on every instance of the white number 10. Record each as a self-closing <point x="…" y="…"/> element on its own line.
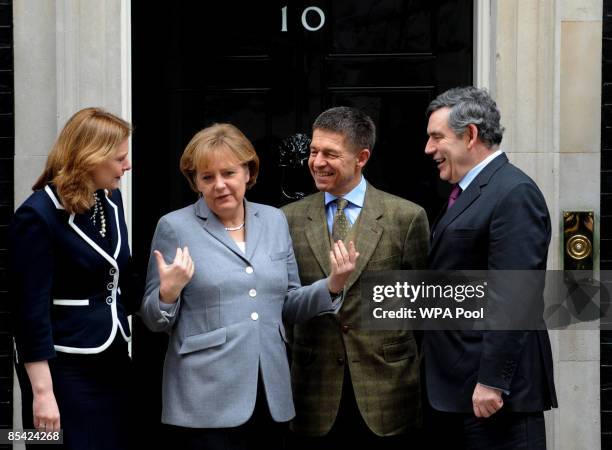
<point x="305" y="23"/>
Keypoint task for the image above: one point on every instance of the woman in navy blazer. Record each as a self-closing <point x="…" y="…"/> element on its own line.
<point x="230" y="282"/>
<point x="70" y="265"/>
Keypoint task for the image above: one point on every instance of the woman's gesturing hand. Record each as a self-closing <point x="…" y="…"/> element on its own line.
<point x="175" y="276"/>
<point x="343" y="263"/>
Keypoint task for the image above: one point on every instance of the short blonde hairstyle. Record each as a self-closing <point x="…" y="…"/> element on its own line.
<point x="218" y="141"/>
<point x="89" y="138"/>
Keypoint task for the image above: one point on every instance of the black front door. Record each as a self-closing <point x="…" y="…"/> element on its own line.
<point x="270" y="68"/>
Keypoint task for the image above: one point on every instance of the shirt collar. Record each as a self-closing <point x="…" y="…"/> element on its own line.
<point x="474" y="171"/>
<point x="355" y="197"/>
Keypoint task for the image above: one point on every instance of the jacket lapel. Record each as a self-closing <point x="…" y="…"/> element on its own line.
<point x="83" y="222"/>
<point x="82" y="225"/>
<point x="112" y="212"/>
<point x="253" y="229"/>
<point x="369" y="232"/>
<point x="213" y="226"/>
<point x="317" y="234"/>
<point x="466" y="198"/>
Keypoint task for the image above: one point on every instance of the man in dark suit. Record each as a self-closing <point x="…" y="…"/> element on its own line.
<point x="490" y="387"/>
<point x="353" y="386"/>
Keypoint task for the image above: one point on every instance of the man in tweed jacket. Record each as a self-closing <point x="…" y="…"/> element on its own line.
<point x="352" y="384"/>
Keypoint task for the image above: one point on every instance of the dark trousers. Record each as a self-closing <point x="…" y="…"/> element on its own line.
<point x="351" y="431"/>
<point x="504" y="430"/>
<point x="259" y="432"/>
<point x="93" y="397"/>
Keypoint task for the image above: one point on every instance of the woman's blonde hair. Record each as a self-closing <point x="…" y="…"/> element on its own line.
<point x="214" y="142"/>
<point x="89" y="138"/>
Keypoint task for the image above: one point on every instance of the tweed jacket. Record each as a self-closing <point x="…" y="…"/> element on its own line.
<point x="226" y="330"/>
<point x="384" y="365"/>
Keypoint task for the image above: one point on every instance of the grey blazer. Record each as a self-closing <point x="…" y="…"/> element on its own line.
<point x="227" y="326"/>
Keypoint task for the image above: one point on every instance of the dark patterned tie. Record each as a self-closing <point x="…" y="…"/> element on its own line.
<point x="341" y="224"/>
<point x="452" y="198"/>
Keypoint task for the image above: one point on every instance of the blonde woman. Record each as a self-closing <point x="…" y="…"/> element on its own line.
<point x="222" y="280"/>
<point x="69" y="259"/>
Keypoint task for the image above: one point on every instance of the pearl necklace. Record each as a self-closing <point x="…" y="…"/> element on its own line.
<point x="239" y="227"/>
<point x="99" y="210"/>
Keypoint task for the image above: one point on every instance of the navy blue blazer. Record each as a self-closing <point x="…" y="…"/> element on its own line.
<point x="66" y="280"/>
<point x="500" y="222"/>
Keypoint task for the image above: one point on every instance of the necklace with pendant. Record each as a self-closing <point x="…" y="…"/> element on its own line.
<point x="99" y="211"/>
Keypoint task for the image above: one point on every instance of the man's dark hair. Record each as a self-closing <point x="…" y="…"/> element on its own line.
<point x="357" y="127"/>
<point x="470" y="105"/>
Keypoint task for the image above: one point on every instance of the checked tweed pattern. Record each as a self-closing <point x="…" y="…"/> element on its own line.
<point x="390" y="234"/>
<point x="341" y="224"/>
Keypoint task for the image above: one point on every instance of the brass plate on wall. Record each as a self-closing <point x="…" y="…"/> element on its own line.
<point x="578" y="240"/>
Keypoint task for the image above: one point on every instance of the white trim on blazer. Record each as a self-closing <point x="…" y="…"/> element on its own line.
<point x="70" y="302"/>
<point x="113" y="296"/>
<point x="55" y="201"/>
<point x="117" y="250"/>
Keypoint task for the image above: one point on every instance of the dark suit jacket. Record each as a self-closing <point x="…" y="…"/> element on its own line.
<point x="68" y="284"/>
<point x="384" y="365"/>
<point x="500" y="222"/>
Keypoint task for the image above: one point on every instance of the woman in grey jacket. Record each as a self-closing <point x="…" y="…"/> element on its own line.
<point x="222" y="279"/>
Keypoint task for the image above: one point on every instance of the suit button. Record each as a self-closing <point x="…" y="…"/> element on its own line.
<point x="340" y="361"/>
<point x="109" y="300"/>
<point x="252" y="293"/>
<point x="254" y="316"/>
<point x="113" y="271"/>
<point x="110" y="286"/>
<point x="249" y="269"/>
<point x="345" y="328"/>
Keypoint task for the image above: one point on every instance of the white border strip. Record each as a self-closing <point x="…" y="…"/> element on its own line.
<point x="55" y="201"/>
<point x="483" y="45"/>
<point x="66" y="302"/>
<point x="126" y="104"/>
<point x="126" y="112"/>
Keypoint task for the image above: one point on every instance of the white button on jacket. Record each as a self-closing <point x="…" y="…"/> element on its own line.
<point x="217" y="336"/>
